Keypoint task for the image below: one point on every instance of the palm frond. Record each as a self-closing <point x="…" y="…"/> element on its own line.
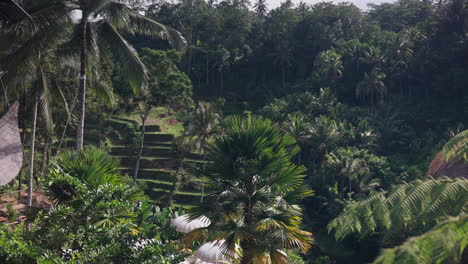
<point x="456" y="147"/>
<point x="410" y="208"/>
<point x="132" y="68"/>
<point x="122" y="18"/>
<point x="46" y="101"/>
<point x="445" y="243"/>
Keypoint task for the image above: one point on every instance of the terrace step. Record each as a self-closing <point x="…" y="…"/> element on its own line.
<point x="159" y="137"/>
<point x="145" y="163"/>
<point x="152" y="174"/>
<point x="168" y="185"/>
<point x="159" y="144"/>
<point x="152" y="128"/>
<point x="147" y="151"/>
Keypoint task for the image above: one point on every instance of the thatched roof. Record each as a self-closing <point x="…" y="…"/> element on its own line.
<point x="455" y="168"/>
<point x="11" y="150"/>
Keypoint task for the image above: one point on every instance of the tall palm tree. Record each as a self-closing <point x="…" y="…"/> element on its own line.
<point x="260" y="8"/>
<point x="255" y="191"/>
<point x="97" y="34"/>
<point x="373" y="57"/>
<point x="297" y="127"/>
<point x="282" y="57"/>
<point x="372" y="86"/>
<point x="203" y="124"/>
<point x="323" y="133"/>
<point x="30" y="43"/>
<point x="98" y="30"/>
<point x="349" y="168"/>
<point x="330" y="62"/>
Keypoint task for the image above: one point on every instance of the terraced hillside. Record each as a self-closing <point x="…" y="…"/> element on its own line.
<point x="157" y="166"/>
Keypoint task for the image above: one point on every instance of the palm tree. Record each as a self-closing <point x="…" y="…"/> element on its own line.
<point x="255" y="191"/>
<point x="297" y="127"/>
<point x="182" y="146"/>
<point x="331" y="63"/>
<point x="30" y="43"/>
<point x="373" y="57"/>
<point x="91" y="167"/>
<point x="260" y="8"/>
<point x="282" y="57"/>
<point x="372" y="86"/>
<point x="323" y="133"/>
<point x="98" y="30"/>
<point x="203" y="124"/>
<point x="349" y="168"/>
<point x="96" y="35"/>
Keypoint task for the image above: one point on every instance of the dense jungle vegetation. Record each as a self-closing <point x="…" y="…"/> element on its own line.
<point x="305" y="133"/>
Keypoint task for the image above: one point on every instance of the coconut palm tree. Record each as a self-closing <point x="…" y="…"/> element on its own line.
<point x="203" y="124"/>
<point x="330" y="62"/>
<point x="296" y="126"/>
<point x="323" y="133"/>
<point x="29" y="44"/>
<point x="98" y="30"/>
<point x="98" y="34"/>
<point x="254" y="192"/>
<point x="260" y="8"/>
<point x="31" y="38"/>
<point x="349" y="168"/>
<point x="372" y="86"/>
<point x="373" y="57"/>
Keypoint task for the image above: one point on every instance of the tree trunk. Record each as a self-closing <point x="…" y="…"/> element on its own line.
<point x="142" y="146"/>
<point x="203" y="181"/>
<point x="207" y="71"/>
<point x="349" y="182"/>
<point x="175" y="184"/>
<point x="247" y="245"/>
<point x="283" y="82"/>
<point x="82" y="85"/>
<point x="32" y="148"/>
<point x="45" y="152"/>
<point x="20" y="175"/>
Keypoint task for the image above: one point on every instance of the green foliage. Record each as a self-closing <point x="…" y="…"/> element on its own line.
<point x="14" y="248"/>
<point x="254" y="190"/>
<point x="74" y="172"/>
<point x="445" y="243"/>
<point x="12" y="215"/>
<point x="98" y="219"/>
<point x="168" y="86"/>
<point x="456" y="147"/>
<point x="406" y="209"/>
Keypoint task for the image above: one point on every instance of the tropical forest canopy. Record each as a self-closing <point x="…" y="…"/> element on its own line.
<point x="313" y="134"/>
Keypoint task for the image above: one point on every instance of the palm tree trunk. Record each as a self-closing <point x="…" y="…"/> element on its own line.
<point x="45" y="152"/>
<point x="32" y="149"/>
<point x="20" y="176"/>
<point x="349" y="182"/>
<point x="207" y="71"/>
<point x="203" y="182"/>
<point x="282" y="75"/>
<point x="142" y="145"/>
<point x="246" y="244"/>
<point x="82" y="85"/>
<point x="175" y="184"/>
